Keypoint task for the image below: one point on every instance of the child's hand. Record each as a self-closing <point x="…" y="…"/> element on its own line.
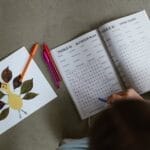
<point x="129" y="94"/>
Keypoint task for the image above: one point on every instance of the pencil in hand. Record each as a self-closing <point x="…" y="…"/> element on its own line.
<point x="102" y="100"/>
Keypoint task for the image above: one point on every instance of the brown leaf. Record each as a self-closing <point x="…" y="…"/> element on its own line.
<point x="1" y="94"/>
<point x="2" y="104"/>
<point x="6" y="75"/>
<point x="27" y="86"/>
<point x="16" y="82"/>
<point x="4" y="114"/>
<point x="30" y="95"/>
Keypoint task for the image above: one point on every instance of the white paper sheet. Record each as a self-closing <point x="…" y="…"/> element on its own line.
<point x="16" y="62"/>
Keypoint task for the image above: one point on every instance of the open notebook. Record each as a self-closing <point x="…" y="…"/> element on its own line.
<point x="88" y="64"/>
<point x="18" y="103"/>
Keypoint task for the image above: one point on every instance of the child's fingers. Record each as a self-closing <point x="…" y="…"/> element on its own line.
<point x="113" y="98"/>
<point x="131" y="93"/>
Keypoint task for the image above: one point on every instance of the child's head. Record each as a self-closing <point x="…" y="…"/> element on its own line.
<point x="123" y="126"/>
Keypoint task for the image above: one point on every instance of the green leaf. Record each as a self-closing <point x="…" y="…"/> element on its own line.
<point x="30" y="95"/>
<point x="4" y="114"/>
<point x="6" y="75"/>
<point x="1" y="94"/>
<point x="26" y="86"/>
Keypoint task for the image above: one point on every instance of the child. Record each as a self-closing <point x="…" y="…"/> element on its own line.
<point x="125" y="125"/>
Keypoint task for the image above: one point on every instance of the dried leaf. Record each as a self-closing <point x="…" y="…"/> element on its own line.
<point x="2" y="104"/>
<point x="1" y="94"/>
<point x="16" y="82"/>
<point x="30" y="95"/>
<point x="4" y="114"/>
<point x="27" y="86"/>
<point x="6" y="75"/>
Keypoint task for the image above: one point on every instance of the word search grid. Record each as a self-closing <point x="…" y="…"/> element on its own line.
<point x="90" y="74"/>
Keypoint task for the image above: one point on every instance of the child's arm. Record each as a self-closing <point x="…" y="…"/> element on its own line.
<point x="124" y="95"/>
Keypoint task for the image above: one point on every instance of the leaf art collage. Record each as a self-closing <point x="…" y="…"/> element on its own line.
<point x="21" y="95"/>
<point x="14" y="101"/>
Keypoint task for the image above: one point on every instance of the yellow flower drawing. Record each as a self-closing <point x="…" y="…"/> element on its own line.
<point x="14" y="101"/>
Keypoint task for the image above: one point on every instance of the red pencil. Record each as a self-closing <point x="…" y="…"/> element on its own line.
<point x="47" y="50"/>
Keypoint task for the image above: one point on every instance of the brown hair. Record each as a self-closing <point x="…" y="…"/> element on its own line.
<point x="124" y="126"/>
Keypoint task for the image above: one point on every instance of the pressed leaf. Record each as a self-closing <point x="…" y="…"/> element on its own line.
<point x="6" y="75"/>
<point x="1" y="94"/>
<point x="2" y="104"/>
<point x="30" y="95"/>
<point x="16" y="82"/>
<point x="27" y="86"/>
<point x="4" y="114"/>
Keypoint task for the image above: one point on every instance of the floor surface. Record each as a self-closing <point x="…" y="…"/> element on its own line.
<point x="23" y="22"/>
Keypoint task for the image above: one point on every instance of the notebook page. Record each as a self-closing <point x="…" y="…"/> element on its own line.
<point x="128" y="42"/>
<point x="87" y="72"/>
